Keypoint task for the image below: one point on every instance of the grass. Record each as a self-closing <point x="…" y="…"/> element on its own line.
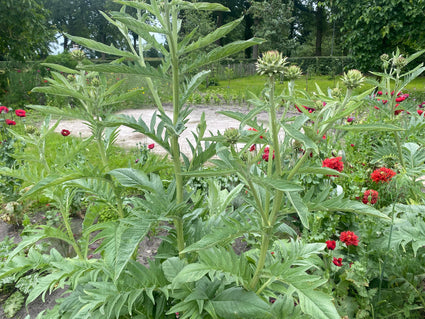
<point x="255" y="84"/>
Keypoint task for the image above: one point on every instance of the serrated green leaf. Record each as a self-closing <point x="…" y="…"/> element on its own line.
<point x="316" y="303"/>
<point x="278" y="184"/>
<point x="63" y="112"/>
<point x="205" y="6"/>
<point x="369" y="127"/>
<point x="190" y="273"/>
<point x="319" y="170"/>
<point x="300" y="207"/>
<point x="236" y="302"/>
<point x="130" y="177"/>
<point x="209" y="173"/>
<point x="100" y="47"/>
<point x="138" y="5"/>
<point x="298" y="136"/>
<point x="50" y="181"/>
<point x="61" y="90"/>
<point x="60" y="68"/>
<point x="130" y="238"/>
<point x="212" y="37"/>
<point x="222" y="236"/>
<point x="222" y="52"/>
<point x="146" y="71"/>
<point x="135" y="25"/>
<point x="346" y="205"/>
<point x="195" y="81"/>
<point x="172" y="267"/>
<point x="44" y="284"/>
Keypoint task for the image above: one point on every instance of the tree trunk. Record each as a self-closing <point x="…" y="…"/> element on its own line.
<point x="219" y="23"/>
<point x="249" y="22"/>
<point x="255" y="52"/>
<point x="320" y="26"/>
<point x="65" y="43"/>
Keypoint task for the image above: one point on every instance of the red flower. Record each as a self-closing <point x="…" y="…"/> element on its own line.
<point x="349" y="238"/>
<point x="331" y="244"/>
<point x="352" y="145"/>
<point x="384" y="101"/>
<point x="309" y="109"/>
<point x="10" y="122"/>
<point x="20" y="113"/>
<point x="420" y="112"/>
<point x="3" y="109"/>
<point x="266" y="154"/>
<point x="337" y="262"/>
<point x="397" y="112"/>
<point x="65" y="132"/>
<point x="382" y="174"/>
<point x="370" y="196"/>
<point x="350" y="119"/>
<point x="379" y="93"/>
<point x="254" y="130"/>
<point x="376" y="107"/>
<point x="335" y="163"/>
<point x="151" y="146"/>
<point x="252" y="148"/>
<point x="45" y="81"/>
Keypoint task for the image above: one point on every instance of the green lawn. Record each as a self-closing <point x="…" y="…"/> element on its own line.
<point x="255" y="84"/>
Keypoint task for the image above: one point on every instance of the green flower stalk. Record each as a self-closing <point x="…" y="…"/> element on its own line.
<point x="271" y="64"/>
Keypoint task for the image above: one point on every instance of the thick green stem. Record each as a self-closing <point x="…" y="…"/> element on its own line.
<point x="381" y="277"/>
<point x="64" y="209"/>
<point x="274" y="128"/>
<point x="101" y="148"/>
<point x="175" y="147"/>
<point x="400" y="152"/>
<point x="262" y="259"/>
<point x="269" y="220"/>
<point x="42" y="154"/>
<point x="299" y="164"/>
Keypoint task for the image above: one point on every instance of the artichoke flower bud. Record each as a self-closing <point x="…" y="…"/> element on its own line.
<point x="95" y="82"/>
<point x="232" y="135"/>
<point x="271" y="63"/>
<point x="399" y="62"/>
<point x="293" y="72"/>
<point x="30" y="129"/>
<point x="70" y="78"/>
<point x="352" y="79"/>
<point x="384" y="57"/>
<point x="78" y="55"/>
<point x="336" y="92"/>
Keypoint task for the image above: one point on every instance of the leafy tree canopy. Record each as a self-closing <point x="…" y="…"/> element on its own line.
<point x="372" y="28"/>
<point x="83" y="18"/>
<point x="24" y="30"/>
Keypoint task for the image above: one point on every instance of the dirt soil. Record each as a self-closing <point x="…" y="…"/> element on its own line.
<point x="128" y="138"/>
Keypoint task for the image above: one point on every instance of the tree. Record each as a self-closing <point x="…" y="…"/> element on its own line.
<point x="313" y="15"/>
<point x="83" y="18"/>
<point x="272" y="21"/>
<point x="24" y="30"/>
<point x="372" y="28"/>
